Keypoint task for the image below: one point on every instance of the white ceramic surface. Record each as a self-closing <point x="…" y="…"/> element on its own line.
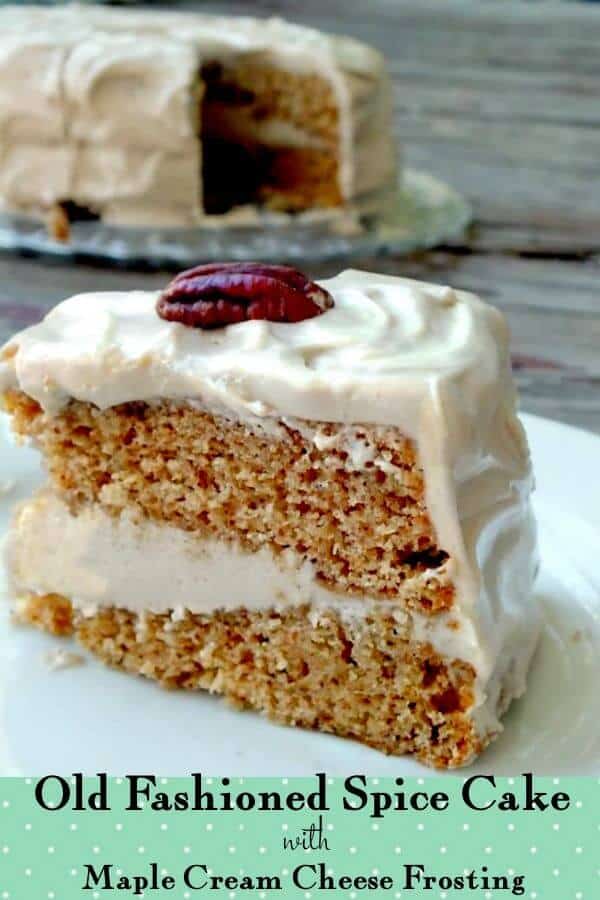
<point x="90" y="719"/>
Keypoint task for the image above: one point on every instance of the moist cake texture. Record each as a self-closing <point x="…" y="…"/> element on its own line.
<point x="230" y="114"/>
<point x="326" y="520"/>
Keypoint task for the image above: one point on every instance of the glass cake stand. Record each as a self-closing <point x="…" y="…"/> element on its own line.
<point x="424" y="212"/>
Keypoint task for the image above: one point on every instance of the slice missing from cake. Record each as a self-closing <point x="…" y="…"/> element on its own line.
<point x="313" y="499"/>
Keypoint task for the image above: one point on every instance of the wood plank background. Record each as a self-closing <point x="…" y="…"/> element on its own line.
<point x="501" y="99"/>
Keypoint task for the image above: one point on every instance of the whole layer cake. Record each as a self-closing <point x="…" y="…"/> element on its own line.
<point x="311" y="498"/>
<point x="149" y="118"/>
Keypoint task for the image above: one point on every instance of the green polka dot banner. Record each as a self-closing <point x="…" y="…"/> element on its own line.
<point x="71" y="837"/>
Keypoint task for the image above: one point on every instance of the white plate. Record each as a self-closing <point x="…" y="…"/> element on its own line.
<point x="93" y="719"/>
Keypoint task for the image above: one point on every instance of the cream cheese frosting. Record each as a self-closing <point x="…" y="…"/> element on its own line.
<point x="428" y="360"/>
<point x="68" y="76"/>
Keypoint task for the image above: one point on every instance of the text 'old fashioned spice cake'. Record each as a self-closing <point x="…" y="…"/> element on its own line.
<point x="171" y="119"/>
<point x="311" y="498"/>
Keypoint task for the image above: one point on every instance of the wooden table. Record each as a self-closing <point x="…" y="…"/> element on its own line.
<point x="500" y="99"/>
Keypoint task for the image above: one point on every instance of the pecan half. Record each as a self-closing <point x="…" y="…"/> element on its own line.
<point x="219" y="294"/>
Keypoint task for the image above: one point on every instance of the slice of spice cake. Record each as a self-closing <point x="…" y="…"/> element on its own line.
<point x="313" y="499"/>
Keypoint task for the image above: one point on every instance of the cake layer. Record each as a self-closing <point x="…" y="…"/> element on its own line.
<point x="268" y="137"/>
<point x="362" y="528"/>
<point x="356" y="677"/>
